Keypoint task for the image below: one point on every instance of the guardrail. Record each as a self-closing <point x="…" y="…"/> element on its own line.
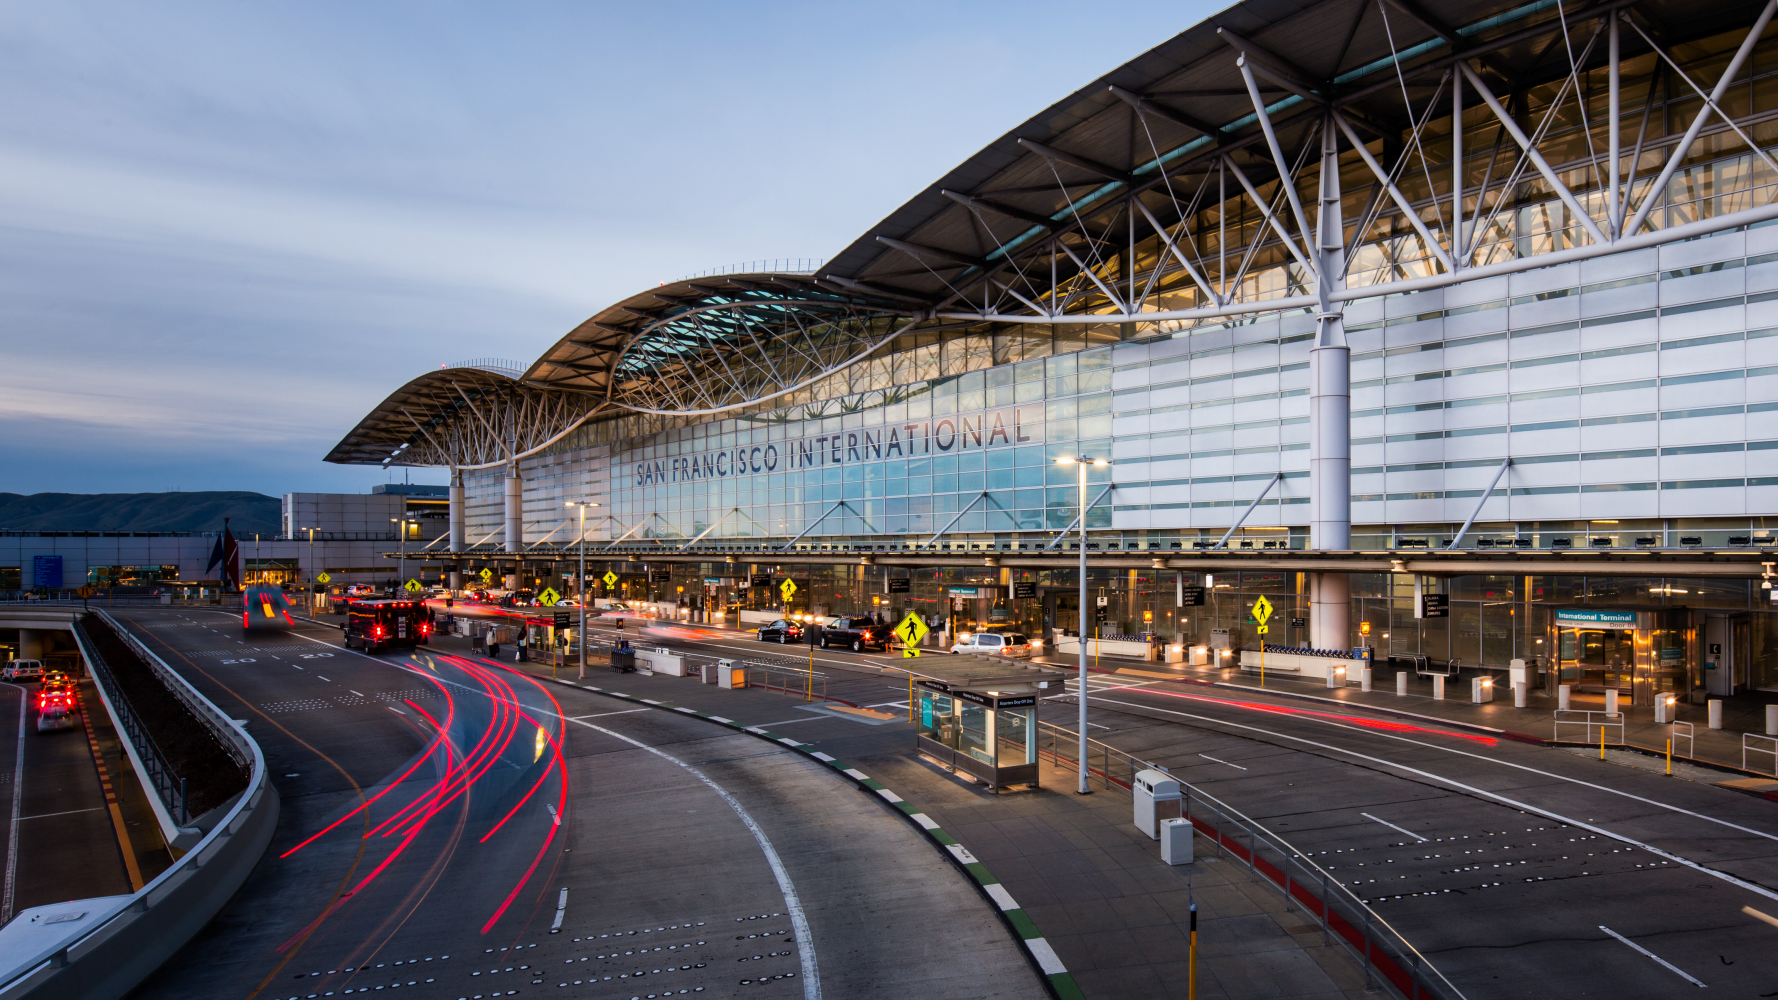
<point x="1384" y="954"/>
<point x="1588" y="721"/>
<point x="1674" y="735"/>
<point x="145" y="753"/>
<point x="103" y="948"/>
<point x="1771" y="751"/>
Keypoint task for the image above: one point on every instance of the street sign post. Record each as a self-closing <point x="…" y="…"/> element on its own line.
<point x="899" y="584"/>
<point x="1024" y="590"/>
<point x="911" y="631"/>
<point x="1262" y="610"/>
<point x="1191" y="597"/>
<point x="487" y="575"/>
<point x="1434" y="606"/>
<point x="412" y="586"/>
<point x="610" y="579"/>
<point x="322" y="577"/>
<point x="787" y="588"/>
<point x="549" y="597"/>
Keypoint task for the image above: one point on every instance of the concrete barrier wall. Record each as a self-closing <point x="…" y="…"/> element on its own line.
<point x="118" y="941"/>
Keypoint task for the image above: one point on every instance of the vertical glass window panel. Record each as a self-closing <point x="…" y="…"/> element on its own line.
<point x="1002" y="395"/>
<point x="944" y="464"/>
<point x="1061" y="364"/>
<point x="968" y="401"/>
<point x="1001" y="458"/>
<point x="972" y="732"/>
<point x="1499" y="620"/>
<point x="971" y="482"/>
<point x="1031" y="475"/>
<point x="1000" y="479"/>
<point x="970" y="461"/>
<point x="944" y="404"/>
<point x="944" y="484"/>
<point x="1060" y="387"/>
<point x="1018" y="736"/>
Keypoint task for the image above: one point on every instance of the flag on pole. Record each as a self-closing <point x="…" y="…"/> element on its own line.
<point x="231" y="556"/>
<point x="215" y="556"/>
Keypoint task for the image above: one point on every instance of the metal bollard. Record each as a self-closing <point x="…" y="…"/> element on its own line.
<point x="1715" y="705"/>
<point x="1772" y="720"/>
<point x="1611" y="701"/>
<point x="1336" y="678"/>
<point x="1438" y="689"/>
<point x="1364" y="680"/>
<point x="1563" y="694"/>
<point x="1401" y="682"/>
<point x="1481" y="690"/>
<point x="1519" y="695"/>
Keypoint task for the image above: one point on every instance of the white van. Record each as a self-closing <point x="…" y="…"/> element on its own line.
<point x="22" y="670"/>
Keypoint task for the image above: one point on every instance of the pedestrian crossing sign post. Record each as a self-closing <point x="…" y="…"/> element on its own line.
<point x="487" y="574"/>
<point x="787" y="588"/>
<point x="911" y="631"/>
<point x="322" y="578"/>
<point x="412" y="586"/>
<point x="549" y="597"/>
<point x="1262" y="609"/>
<point x="610" y="579"/>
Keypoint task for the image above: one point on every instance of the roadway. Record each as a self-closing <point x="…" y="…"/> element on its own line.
<point x="1518" y="870"/>
<point x="450" y="823"/>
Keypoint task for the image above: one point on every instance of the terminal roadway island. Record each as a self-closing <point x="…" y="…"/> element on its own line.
<point x="1444" y="332"/>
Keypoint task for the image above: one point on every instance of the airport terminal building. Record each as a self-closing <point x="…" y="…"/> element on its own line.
<point x="1337" y="303"/>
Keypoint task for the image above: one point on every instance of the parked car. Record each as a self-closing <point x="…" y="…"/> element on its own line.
<point x="856" y="633"/>
<point x="781" y="631"/>
<point x="994" y="643"/>
<point x="22" y="670"/>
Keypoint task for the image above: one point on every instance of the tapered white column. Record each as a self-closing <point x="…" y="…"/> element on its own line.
<point x="456" y="540"/>
<point x="1330" y="412"/>
<point x="515" y="510"/>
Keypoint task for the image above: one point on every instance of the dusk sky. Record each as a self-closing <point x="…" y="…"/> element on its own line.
<point x="228" y="230"/>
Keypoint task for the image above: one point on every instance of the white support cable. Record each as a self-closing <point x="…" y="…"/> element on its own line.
<point x="978" y="499"/>
<point x="1058" y="540"/>
<point x="1487" y="494"/>
<point x="1265" y="124"/>
<point x="1395" y="194"/>
<point x="1536" y="158"/>
<point x="811" y="527"/>
<point x="713" y="526"/>
<point x="1265" y="210"/>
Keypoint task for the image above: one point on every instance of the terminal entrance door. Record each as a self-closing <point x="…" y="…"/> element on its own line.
<point x="1061" y="613"/>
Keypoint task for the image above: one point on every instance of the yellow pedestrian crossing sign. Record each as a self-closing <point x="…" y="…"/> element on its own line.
<point x="911" y="630"/>
<point x="1262" y="609"/>
<point x="549" y="597"/>
<point x="412" y="586"/>
<point x="322" y="577"/>
<point x="487" y="574"/>
<point x="610" y="579"/>
<point x="787" y="588"/>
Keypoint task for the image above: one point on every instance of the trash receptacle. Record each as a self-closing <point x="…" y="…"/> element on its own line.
<point x="1151" y="786"/>
<point x="623" y="660"/>
<point x="707" y="672"/>
<point x="1176" y="841"/>
<point x="730" y="674"/>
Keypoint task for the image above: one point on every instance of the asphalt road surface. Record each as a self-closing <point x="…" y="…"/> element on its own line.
<point x="1517" y="870"/>
<point x="456" y="829"/>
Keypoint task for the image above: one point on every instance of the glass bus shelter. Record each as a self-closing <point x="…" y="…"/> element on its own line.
<point x="981" y="718"/>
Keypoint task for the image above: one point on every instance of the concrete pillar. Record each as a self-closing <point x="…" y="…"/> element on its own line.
<point x="1772" y="720"/>
<point x="515" y="510"/>
<point x="1330" y="414"/>
<point x="455" y="581"/>
<point x="1715" y="708"/>
<point x="456" y="541"/>
<point x="30" y="644"/>
<point x="1401" y="682"/>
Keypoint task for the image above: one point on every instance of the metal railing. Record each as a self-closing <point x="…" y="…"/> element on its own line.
<point x="1589" y="722"/>
<point x="1385" y="955"/>
<point x="1675" y="734"/>
<point x="777" y="265"/>
<point x="168" y="783"/>
<point x="1747" y="748"/>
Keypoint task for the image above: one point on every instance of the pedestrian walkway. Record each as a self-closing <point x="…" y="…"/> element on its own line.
<point x="1692" y="737"/>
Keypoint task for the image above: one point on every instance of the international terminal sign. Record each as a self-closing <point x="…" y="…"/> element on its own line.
<point x="943" y="435"/>
<point x="1586" y="618"/>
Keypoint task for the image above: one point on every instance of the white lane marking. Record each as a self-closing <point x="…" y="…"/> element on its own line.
<point x="557" y="819"/>
<point x="1757" y="915"/>
<point x="1392" y="826"/>
<point x="323" y="678"/>
<point x="1223" y="762"/>
<point x="759" y="730"/>
<point x="1479" y="792"/>
<point x="561" y="907"/>
<point x="397" y="711"/>
<point x="65" y="812"/>
<point x="1532" y="770"/>
<point x="805" y="944"/>
<point x="601" y="715"/>
<point x="358" y="693"/>
<point x="12" y="830"/>
<point x="1669" y="966"/>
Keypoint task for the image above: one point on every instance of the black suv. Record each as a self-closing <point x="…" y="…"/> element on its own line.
<point x="854" y="632"/>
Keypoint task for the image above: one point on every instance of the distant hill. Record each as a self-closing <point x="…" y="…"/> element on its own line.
<point x="201" y="511"/>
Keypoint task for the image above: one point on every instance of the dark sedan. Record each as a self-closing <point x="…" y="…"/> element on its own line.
<point x="781" y="631"/>
<point x="856" y="634"/>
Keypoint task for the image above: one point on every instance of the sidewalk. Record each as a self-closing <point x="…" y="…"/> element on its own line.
<point x="1093" y="884"/>
<point x="1535" y="721"/>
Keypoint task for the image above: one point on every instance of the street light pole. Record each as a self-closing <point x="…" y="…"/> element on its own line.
<point x="1081" y="499"/>
<point x="311" y="580"/>
<point x="580" y="584"/>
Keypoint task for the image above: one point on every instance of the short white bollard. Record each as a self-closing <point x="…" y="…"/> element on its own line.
<point x="1438" y="689"/>
<point x="1772" y="720"/>
<point x="1563" y="695"/>
<point x="1401" y="682"/>
<point x="1611" y="701"/>
<point x="1364" y="679"/>
<point x="1715" y="713"/>
<point x="1481" y="690"/>
<point x="1665" y="708"/>
<point x="1519" y="695"/>
<point x="1336" y="678"/>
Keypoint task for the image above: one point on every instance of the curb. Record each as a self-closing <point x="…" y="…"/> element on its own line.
<point x="1049" y="966"/>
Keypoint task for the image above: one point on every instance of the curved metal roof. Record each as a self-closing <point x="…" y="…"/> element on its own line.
<point x="466" y="416"/>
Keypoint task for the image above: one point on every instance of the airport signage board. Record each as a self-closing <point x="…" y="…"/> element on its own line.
<point x="1588" y="618"/>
